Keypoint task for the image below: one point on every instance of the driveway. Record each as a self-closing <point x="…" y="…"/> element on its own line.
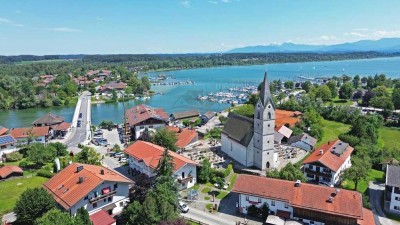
<point x="376" y="191"/>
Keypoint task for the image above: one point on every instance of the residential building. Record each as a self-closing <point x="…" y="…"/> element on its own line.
<point x="3" y="130"/>
<point x="392" y="188"/>
<point x="185" y="137"/>
<point x="48" y="120"/>
<point x="143" y="117"/>
<point x="102" y="218"/>
<point x="282" y="134"/>
<point x="306" y="203"/>
<point x="207" y="116"/>
<point x="7" y="144"/>
<point x="7" y="171"/>
<point x="184" y="115"/>
<point x="107" y="89"/>
<point x="144" y="158"/>
<point x="250" y="141"/>
<point x="328" y="162"/>
<point x="30" y="135"/>
<point x="303" y="141"/>
<point x="93" y="187"/>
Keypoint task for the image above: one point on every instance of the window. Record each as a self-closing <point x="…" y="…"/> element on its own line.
<point x="95" y="205"/>
<point x="286" y="205"/>
<point x="86" y="198"/>
<point x="310" y="167"/>
<point x="258" y="115"/>
<point x="259" y="200"/>
<point x="141" y="127"/>
<point x="397" y="198"/>
<point x="104" y="200"/>
<point x="247" y="198"/>
<point x="115" y="186"/>
<point x="121" y="204"/>
<point x="397" y="207"/>
<point x="3" y="146"/>
<point x="183" y="174"/>
<point x="269" y="114"/>
<point x="109" y="199"/>
<point x="273" y="203"/>
<point x="151" y="126"/>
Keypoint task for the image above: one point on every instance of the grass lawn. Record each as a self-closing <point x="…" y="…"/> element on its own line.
<point x="232" y="181"/>
<point x="206" y="190"/>
<point x="191" y="223"/>
<point x="332" y="130"/>
<point x="339" y="102"/>
<point x="388" y="137"/>
<point x="373" y="175"/>
<point x="222" y="194"/>
<point x="10" y="191"/>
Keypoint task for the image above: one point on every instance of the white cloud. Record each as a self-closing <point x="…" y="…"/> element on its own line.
<point x="186" y="4"/>
<point x="386" y="33"/>
<point x="225" y="1"/>
<point x="327" y="37"/>
<point x="8" y="22"/>
<point x="356" y="34"/>
<point x="213" y="2"/>
<point x="65" y="29"/>
<point x="361" y="29"/>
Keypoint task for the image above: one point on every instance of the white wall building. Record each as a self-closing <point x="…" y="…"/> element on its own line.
<point x="144" y="158"/>
<point x="392" y="188"/>
<point x="7" y="144"/>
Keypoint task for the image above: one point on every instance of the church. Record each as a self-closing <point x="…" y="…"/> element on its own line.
<point x="251" y="141"/>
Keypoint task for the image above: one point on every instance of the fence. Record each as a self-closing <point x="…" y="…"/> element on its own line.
<point x="192" y="220"/>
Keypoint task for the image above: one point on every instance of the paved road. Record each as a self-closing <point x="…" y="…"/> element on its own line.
<point x="206" y="217"/>
<point x="375" y="195"/>
<point x="79" y="134"/>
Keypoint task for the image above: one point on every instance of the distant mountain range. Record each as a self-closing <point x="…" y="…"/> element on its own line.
<point x="381" y="45"/>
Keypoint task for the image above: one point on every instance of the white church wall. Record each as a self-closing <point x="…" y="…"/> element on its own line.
<point x="234" y="150"/>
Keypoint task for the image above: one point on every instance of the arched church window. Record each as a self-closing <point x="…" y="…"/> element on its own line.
<point x="267" y="165"/>
<point x="258" y="115"/>
<point x="269" y="115"/>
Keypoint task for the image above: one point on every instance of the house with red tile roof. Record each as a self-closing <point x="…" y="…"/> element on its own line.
<point x="143" y="117"/>
<point x="328" y="162"/>
<point x="184" y="136"/>
<point x="108" y="88"/>
<point x="93" y="187"/>
<point x="7" y="144"/>
<point x="3" y="130"/>
<point x="30" y="134"/>
<point x="102" y="218"/>
<point x="145" y="156"/>
<point x="7" y="171"/>
<point x="307" y="203"/>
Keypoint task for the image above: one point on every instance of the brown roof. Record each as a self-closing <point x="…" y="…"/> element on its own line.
<point x="6" y="170"/>
<point x="307" y="196"/>
<point x="3" y="130"/>
<point x="184" y="136"/>
<point x="283" y="117"/>
<point x="368" y="218"/>
<point x="141" y="113"/>
<point x="66" y="189"/>
<point x="151" y="154"/>
<point x="62" y="126"/>
<point x="333" y="156"/>
<point x="185" y="114"/>
<point x="113" y="85"/>
<point x="102" y="218"/>
<point x="49" y="119"/>
<point x="25" y="131"/>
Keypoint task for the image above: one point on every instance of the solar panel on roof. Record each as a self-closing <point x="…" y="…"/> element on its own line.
<point x="6" y="139"/>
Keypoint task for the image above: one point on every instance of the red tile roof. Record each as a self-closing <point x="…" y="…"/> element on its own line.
<point x="151" y="154"/>
<point x="62" y="126"/>
<point x="102" y="218"/>
<point x="184" y="136"/>
<point x="24" y="132"/>
<point x="3" y="130"/>
<point x="7" y="170"/>
<point x="141" y="113"/>
<point x="328" y="158"/>
<point x="113" y="85"/>
<point x="368" y="218"/>
<point x="306" y="196"/>
<point x="67" y="191"/>
<point x="283" y="117"/>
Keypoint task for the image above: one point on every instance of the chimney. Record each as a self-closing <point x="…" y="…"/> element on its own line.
<point x="330" y="199"/>
<point x="79" y="168"/>
<point x="102" y="172"/>
<point x="180" y="130"/>
<point x="298" y="183"/>
<point x="321" y="152"/>
<point x="80" y="181"/>
<point x="329" y="142"/>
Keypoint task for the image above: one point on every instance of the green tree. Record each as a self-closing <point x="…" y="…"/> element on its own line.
<point x="356" y="81"/>
<point x="166" y="139"/>
<point x="324" y="93"/>
<point x="381" y="91"/>
<point x="346" y="91"/>
<point x="40" y="154"/>
<point x="396" y="98"/>
<point x="150" y="213"/>
<point x="146" y="83"/>
<point x="246" y="110"/>
<point x="61" y="149"/>
<point x="332" y="87"/>
<point x="358" y="170"/>
<point x="306" y="86"/>
<point x="289" y="172"/>
<point x="82" y="217"/>
<point x="88" y="156"/>
<point x="142" y="186"/>
<point x="205" y="171"/>
<point x="280" y="97"/>
<point x="55" y="216"/>
<point x="253" y="98"/>
<point x="132" y="215"/>
<point x="289" y="84"/>
<point x="165" y="165"/>
<point x="32" y="204"/>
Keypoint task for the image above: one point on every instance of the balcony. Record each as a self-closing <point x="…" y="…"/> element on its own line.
<point x="318" y="173"/>
<point x="185" y="180"/>
<point x="101" y="197"/>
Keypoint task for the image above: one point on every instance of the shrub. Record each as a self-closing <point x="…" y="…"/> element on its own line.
<point x="14" y="156"/>
<point x="253" y="211"/>
<point x="217" y="173"/>
<point x="228" y="170"/>
<point x="207" y="198"/>
<point x="44" y="173"/>
<point x="23" y="164"/>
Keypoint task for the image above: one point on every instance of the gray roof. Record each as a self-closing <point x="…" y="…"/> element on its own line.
<point x="49" y="119"/>
<point x="393" y="176"/>
<point x="186" y="114"/>
<point x="209" y="114"/>
<point x="239" y="128"/>
<point x="265" y="93"/>
<point x="304" y="138"/>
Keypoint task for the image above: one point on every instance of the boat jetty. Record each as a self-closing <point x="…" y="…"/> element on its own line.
<point x="234" y="95"/>
<point x="163" y="79"/>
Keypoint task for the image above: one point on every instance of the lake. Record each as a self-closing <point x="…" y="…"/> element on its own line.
<point x="183" y="97"/>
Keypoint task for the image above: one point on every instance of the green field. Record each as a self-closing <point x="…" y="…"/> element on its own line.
<point x="332" y="130"/>
<point x="373" y="175"/>
<point x="10" y="191"/>
<point x="40" y="61"/>
<point x="339" y="102"/>
<point x="388" y="137"/>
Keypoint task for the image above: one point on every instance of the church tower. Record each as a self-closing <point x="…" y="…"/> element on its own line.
<point x="264" y="124"/>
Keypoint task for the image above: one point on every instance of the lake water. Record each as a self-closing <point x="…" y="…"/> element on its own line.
<point x="182" y="97"/>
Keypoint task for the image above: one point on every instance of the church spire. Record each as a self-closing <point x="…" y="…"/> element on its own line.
<point x="265" y="93"/>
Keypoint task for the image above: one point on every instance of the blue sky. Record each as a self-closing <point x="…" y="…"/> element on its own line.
<point x="186" y="26"/>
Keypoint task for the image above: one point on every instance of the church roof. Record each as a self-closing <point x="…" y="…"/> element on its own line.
<point x="265" y="93"/>
<point x="239" y="128"/>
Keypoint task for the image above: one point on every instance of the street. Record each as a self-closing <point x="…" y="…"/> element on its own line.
<point x="375" y="195"/>
<point x="206" y="217"/>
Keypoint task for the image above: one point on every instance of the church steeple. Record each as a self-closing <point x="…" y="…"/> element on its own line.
<point x="265" y="93"/>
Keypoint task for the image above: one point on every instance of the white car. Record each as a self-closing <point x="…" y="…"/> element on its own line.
<point x="225" y="187"/>
<point x="183" y="207"/>
<point x="123" y="160"/>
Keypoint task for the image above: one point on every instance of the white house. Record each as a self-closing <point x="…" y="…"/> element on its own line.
<point x="7" y="144"/>
<point x="144" y="158"/>
<point x="31" y="134"/>
<point x="328" y="162"/>
<point x="392" y="188"/>
<point x="303" y="141"/>
<point x="142" y="117"/>
<point x="93" y="187"/>
<point x="306" y="203"/>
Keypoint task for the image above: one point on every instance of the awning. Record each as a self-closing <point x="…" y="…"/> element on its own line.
<point x="109" y="207"/>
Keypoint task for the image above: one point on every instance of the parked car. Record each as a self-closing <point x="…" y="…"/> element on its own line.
<point x="79" y="123"/>
<point x="111" y="154"/>
<point x="183" y="207"/>
<point x="95" y="141"/>
<point x="109" y="128"/>
<point x="99" y="135"/>
<point x="80" y="115"/>
<point x="118" y="154"/>
<point x="123" y="159"/>
<point x="225" y="187"/>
